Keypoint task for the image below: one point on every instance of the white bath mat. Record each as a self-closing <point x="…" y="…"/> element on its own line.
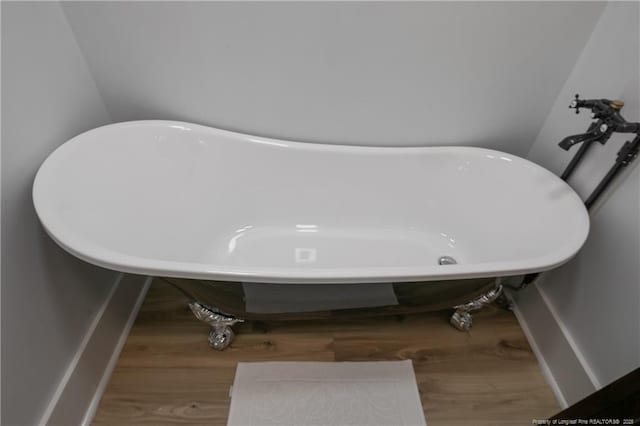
<point x="325" y="393"/>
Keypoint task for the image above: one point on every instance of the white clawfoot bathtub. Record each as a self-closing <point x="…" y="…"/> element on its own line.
<point x="185" y="201"/>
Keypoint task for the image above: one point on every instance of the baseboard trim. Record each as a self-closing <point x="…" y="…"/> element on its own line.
<point x="546" y="371"/>
<point x="574" y="346"/>
<point x="562" y="363"/>
<point x="104" y="381"/>
<point x="78" y="394"/>
<point x="44" y="420"/>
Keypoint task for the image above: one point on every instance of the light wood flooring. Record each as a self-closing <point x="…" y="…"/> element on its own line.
<point x="167" y="374"/>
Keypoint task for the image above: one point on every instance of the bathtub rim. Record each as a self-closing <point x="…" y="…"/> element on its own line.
<point x="109" y="259"/>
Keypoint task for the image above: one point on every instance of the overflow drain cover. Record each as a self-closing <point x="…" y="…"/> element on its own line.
<point x="446" y="260"/>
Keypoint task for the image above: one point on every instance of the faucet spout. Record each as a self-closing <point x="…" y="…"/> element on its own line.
<point x="569" y="141"/>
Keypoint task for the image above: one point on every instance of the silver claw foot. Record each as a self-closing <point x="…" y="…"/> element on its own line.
<point x="220" y="337"/>
<point x="462" y="318"/>
<point x="221" y="334"/>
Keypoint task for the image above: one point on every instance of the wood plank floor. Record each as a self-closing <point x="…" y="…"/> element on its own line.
<point x="167" y="374"/>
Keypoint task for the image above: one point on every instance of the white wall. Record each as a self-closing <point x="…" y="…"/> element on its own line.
<point x="462" y="73"/>
<point x="596" y="297"/>
<point x="49" y="298"/>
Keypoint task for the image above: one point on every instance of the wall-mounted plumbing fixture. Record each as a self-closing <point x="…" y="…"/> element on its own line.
<point x="608" y="121"/>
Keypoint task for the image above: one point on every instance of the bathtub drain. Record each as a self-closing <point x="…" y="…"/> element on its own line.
<point x="446" y="260"/>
